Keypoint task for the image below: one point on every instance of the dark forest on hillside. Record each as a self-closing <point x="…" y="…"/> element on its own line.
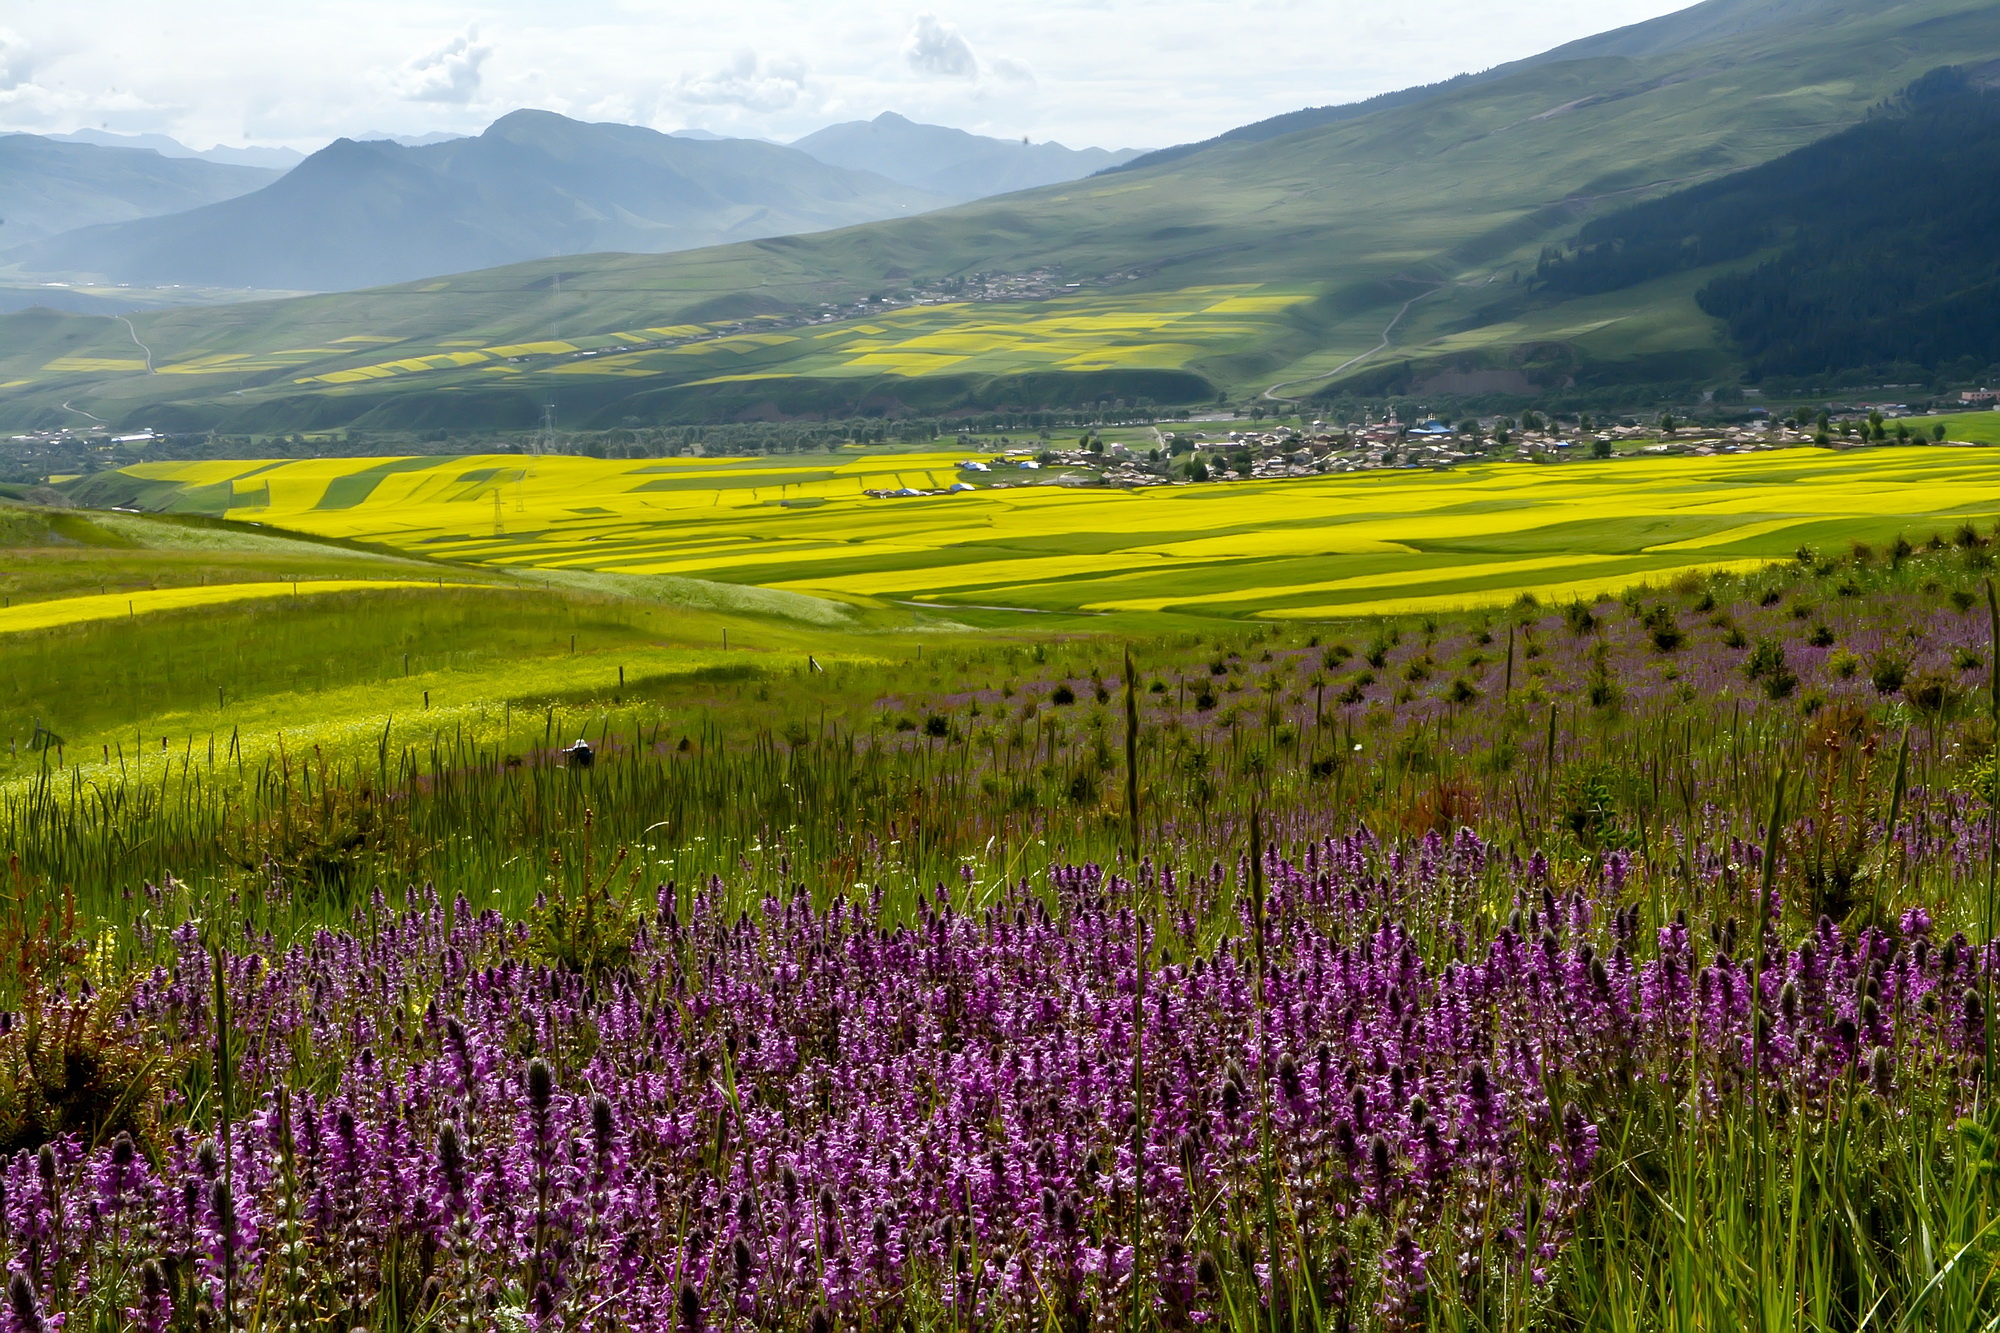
<point x="1886" y="240"/>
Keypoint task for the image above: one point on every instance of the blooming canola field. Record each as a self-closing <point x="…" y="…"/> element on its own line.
<point x="1388" y="542"/>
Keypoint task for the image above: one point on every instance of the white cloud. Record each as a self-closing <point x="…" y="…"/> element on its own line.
<point x="748" y="80"/>
<point x="448" y="74"/>
<point x="16" y="64"/>
<point x="1140" y="73"/>
<point x="1009" y="70"/>
<point x="936" y="50"/>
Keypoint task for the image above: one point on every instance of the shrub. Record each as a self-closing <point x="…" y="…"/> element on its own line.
<point x="1062" y="694"/>
<point x="1579" y="619"/>
<point x="937" y="724"/>
<point x="1584" y="804"/>
<point x="1768" y="667"/>
<point x="1928" y="692"/>
<point x="589" y="930"/>
<point x="1602" y="688"/>
<point x="1843" y="664"/>
<point x="1821" y="636"/>
<point x="1664" y="628"/>
<point x="1961" y="600"/>
<point x="1887" y="673"/>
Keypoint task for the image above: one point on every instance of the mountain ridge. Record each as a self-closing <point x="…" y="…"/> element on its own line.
<point x="361" y="213"/>
<point x="253" y="155"/>
<point x="48" y="185"/>
<point x="953" y="163"/>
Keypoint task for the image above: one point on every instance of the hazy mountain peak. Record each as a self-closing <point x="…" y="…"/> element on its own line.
<point x="408" y="140"/>
<point x="364" y="213"/>
<point x="51" y="184"/>
<point x="278" y="159"/>
<point x="952" y="162"/>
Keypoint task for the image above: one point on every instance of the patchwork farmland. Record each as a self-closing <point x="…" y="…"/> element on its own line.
<point x="1307" y="550"/>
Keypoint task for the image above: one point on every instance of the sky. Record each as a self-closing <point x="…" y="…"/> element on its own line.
<point x="1110" y="73"/>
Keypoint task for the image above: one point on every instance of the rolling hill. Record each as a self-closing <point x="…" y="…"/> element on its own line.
<point x="1850" y="277"/>
<point x="1381" y="245"/>
<point x="48" y="186"/>
<point x="358" y="214"/>
<point x="952" y="163"/>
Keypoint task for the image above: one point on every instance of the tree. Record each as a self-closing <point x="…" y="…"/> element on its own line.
<point x="1600" y="448"/>
<point x="1666" y="423"/>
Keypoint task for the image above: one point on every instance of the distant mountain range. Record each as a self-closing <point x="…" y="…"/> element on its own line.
<point x="1393" y="251"/>
<point x="48" y="186"/>
<point x="147" y="210"/>
<point x="275" y="159"/>
<point x="535" y="184"/>
<point x="953" y="163"/>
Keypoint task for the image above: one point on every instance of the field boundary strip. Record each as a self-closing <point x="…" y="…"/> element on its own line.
<point x="62" y="611"/>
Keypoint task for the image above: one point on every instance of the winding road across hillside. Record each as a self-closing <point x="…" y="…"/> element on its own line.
<point x="1272" y="393"/>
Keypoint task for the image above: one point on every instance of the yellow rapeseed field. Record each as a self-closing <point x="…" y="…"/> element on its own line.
<point x="145" y="601"/>
<point x="1322" y="547"/>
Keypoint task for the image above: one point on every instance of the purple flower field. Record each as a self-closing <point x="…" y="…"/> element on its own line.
<point x="1523" y="1019"/>
<point x="798" y="1116"/>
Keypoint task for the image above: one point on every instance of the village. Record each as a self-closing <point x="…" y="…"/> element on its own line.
<point x="1180" y="458"/>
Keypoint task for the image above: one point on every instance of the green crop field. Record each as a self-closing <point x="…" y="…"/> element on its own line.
<point x="1059" y="555"/>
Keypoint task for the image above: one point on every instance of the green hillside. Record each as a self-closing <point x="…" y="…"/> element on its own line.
<point x="1851" y="281"/>
<point x="1231" y="269"/>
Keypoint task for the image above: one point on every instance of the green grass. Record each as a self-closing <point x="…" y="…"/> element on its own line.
<point x="1972" y="427"/>
<point x="1361" y="215"/>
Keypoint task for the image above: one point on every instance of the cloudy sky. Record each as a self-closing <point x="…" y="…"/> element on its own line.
<point x="1140" y="73"/>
